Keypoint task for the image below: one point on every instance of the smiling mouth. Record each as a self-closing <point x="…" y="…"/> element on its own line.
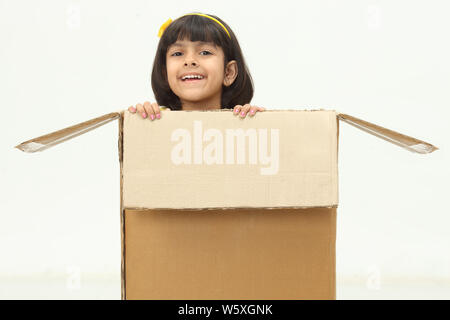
<point x="192" y="80"/>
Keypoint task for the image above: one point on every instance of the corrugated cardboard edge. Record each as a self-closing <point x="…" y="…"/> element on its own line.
<point x="229" y="208"/>
<point x="122" y="211"/>
<point x="333" y="231"/>
<point x="404" y="141"/>
<point x="46" y="141"/>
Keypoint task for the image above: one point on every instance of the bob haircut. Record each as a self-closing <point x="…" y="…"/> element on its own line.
<point x="199" y="28"/>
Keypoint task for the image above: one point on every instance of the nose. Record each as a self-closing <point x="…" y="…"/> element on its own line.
<point x="190" y="60"/>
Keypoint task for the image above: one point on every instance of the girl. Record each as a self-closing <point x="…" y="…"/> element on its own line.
<point x="199" y="66"/>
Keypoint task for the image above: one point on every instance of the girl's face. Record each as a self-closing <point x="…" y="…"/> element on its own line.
<point x="198" y="58"/>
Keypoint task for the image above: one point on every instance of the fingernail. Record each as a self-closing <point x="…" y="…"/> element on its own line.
<point x="242" y="113"/>
<point x="158" y="116"/>
<point x="133" y="109"/>
<point x="252" y="111"/>
<point x="152" y="116"/>
<point x="144" y="115"/>
<point x="236" y="111"/>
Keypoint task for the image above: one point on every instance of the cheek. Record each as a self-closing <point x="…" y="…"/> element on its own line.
<point x="215" y="72"/>
<point x="219" y="75"/>
<point x="171" y="74"/>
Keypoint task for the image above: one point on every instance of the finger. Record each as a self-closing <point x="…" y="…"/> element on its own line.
<point x="253" y="110"/>
<point x="261" y="108"/>
<point x="156" y="110"/>
<point x="140" y="109"/>
<point x="148" y="108"/>
<point x="244" y="110"/>
<point x="237" y="108"/>
<point x="132" y="109"/>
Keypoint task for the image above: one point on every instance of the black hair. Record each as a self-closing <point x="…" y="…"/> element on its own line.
<point x="199" y="28"/>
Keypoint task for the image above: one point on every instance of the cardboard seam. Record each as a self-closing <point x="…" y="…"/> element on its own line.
<point x="332" y="232"/>
<point x="337" y="158"/>
<point x="123" y="294"/>
<point x="122" y="211"/>
<point x="333" y="160"/>
<point x="229" y="208"/>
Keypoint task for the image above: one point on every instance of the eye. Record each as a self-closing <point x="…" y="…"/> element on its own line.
<point x="175" y="54"/>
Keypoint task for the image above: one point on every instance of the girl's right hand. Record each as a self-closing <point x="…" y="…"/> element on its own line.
<point x="147" y="109"/>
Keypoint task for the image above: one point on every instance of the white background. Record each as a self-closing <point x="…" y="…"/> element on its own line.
<point x="63" y="62"/>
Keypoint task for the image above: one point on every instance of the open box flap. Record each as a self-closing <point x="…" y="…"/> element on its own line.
<point x="46" y="141"/>
<point x="404" y="141"/>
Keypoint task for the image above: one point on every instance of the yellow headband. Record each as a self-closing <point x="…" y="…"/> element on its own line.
<point x="168" y="22"/>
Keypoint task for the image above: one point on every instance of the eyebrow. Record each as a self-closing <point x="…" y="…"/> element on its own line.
<point x="200" y="43"/>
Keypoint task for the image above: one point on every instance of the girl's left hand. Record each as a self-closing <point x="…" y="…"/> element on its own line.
<point x="243" y="110"/>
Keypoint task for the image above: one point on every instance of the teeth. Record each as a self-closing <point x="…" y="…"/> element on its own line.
<point x="192" y="77"/>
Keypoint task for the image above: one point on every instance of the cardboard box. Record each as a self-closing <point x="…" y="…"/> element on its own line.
<point x="218" y="207"/>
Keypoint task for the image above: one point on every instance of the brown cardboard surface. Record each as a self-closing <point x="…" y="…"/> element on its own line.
<point x="276" y="238"/>
<point x="404" y="141"/>
<point x="230" y="254"/>
<point x="51" y="139"/>
<point x="301" y="145"/>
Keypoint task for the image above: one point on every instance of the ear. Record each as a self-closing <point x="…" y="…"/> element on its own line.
<point x="231" y="72"/>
